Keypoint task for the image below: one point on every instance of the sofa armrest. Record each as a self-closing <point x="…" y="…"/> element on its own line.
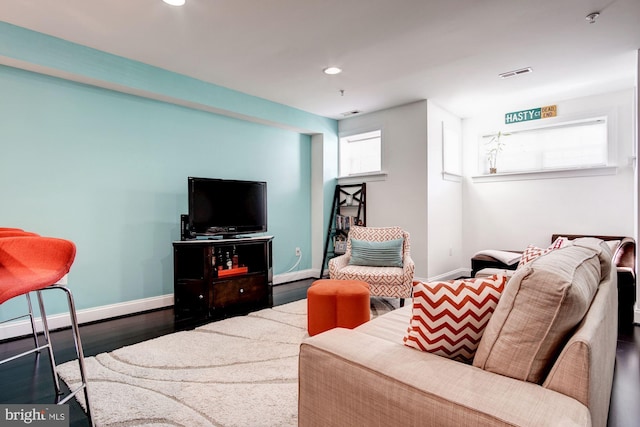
<point x="625" y="255"/>
<point x="341" y="384"/>
<point x="584" y="368"/>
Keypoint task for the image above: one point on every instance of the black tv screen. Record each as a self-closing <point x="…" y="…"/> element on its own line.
<point x="226" y="207"/>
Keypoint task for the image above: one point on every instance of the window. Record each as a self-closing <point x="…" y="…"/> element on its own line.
<point x="361" y="153"/>
<point x="570" y="145"/>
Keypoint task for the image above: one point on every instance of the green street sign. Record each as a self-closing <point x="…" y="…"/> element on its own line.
<point x="530" y="114"/>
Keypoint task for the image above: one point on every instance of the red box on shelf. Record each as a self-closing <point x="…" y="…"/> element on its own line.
<point x="233" y="271"/>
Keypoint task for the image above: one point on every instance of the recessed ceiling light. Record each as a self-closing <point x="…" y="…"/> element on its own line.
<point x="332" y="70"/>
<point x="174" y="2"/>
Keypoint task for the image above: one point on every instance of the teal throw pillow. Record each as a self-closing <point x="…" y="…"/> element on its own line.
<point x="376" y="254"/>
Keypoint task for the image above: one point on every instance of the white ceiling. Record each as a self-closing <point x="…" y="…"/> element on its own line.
<point x="392" y="51"/>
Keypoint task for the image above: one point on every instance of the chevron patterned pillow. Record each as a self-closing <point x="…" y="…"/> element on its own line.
<point x="533" y="252"/>
<point x="449" y="318"/>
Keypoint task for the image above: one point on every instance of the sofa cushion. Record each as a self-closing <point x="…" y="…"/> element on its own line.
<point x="449" y="318"/>
<point x="376" y="254"/>
<point x="540" y="306"/>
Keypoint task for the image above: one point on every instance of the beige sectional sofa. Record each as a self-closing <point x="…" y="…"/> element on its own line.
<point x="367" y="377"/>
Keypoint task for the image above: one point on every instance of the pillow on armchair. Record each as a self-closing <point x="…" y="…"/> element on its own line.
<point x="376" y="254"/>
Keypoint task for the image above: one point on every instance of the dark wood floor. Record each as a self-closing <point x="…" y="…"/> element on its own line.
<point x="28" y="380"/>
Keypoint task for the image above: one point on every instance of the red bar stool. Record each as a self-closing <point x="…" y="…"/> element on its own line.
<point x="17" y="232"/>
<point x="4" y="232"/>
<point x="33" y="263"/>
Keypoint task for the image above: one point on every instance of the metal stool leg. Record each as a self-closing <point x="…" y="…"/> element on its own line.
<point x="47" y="338"/>
<point x="78" y="343"/>
<point x="34" y="331"/>
<point x="33" y="321"/>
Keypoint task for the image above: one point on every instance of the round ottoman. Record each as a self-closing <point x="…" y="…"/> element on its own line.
<point x="337" y="303"/>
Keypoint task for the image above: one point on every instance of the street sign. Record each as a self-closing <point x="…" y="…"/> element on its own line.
<point x="531" y="114"/>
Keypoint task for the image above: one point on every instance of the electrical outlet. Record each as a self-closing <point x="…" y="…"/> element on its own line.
<point x="297" y="251"/>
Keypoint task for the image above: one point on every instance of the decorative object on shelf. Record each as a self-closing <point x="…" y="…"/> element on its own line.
<point x="494" y="147"/>
<point x="339" y="245"/>
<point x="233" y="271"/>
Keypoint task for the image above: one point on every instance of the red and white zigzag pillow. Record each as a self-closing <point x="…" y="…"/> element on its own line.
<point x="449" y="318"/>
<point x="532" y="252"/>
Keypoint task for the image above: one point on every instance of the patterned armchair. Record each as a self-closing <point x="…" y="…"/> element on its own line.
<point x="383" y="281"/>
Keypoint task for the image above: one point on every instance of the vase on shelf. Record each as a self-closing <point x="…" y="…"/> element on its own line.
<point x="494" y="147"/>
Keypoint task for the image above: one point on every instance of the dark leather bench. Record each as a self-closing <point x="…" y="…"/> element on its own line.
<point x="624" y="258"/>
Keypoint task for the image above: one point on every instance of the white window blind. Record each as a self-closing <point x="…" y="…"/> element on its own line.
<point x="578" y="144"/>
<point x="361" y="153"/>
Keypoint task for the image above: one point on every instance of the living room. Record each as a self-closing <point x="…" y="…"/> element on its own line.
<point x="98" y="149"/>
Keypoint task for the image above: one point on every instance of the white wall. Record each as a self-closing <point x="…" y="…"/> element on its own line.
<point x="513" y="214"/>
<point x="444" y="210"/>
<point x="400" y="198"/>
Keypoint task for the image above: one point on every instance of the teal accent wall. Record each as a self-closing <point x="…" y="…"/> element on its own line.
<point x="46" y="51"/>
<point x="109" y="170"/>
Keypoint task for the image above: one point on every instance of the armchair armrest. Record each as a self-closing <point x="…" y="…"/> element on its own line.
<point x="338" y="263"/>
<point x="408" y="267"/>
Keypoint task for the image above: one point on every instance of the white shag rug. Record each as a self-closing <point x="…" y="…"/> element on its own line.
<point x="241" y="371"/>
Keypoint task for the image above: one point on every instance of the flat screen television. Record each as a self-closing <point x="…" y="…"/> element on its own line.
<point x="222" y="207"/>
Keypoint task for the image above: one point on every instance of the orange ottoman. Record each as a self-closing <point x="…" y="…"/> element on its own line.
<point x="337" y="303"/>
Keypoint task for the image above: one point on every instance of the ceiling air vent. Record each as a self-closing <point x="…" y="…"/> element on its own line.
<point x="515" y="72"/>
<point x="350" y="113"/>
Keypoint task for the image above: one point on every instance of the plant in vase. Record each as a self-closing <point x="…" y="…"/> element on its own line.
<point x="494" y="147"/>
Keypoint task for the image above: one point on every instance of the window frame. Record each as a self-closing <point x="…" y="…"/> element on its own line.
<point x="609" y="168"/>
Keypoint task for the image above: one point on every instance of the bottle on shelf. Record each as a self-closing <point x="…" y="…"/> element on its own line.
<point x="227" y="261"/>
<point x="234" y="258"/>
<point x="220" y="265"/>
<point x="214" y="264"/>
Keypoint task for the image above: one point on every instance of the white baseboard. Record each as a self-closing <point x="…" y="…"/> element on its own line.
<point x="62" y="320"/>
<point x="58" y="321"/>
<point x="295" y="275"/>
<point x="449" y="275"/>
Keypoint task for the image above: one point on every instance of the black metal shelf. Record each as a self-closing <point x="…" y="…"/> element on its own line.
<point x="347" y="200"/>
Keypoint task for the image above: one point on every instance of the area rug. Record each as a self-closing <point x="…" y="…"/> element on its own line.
<point x="241" y="371"/>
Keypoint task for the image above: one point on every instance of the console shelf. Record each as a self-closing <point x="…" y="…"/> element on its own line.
<point x="203" y="291"/>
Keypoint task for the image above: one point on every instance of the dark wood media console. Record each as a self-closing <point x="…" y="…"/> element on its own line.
<point x="202" y="290"/>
